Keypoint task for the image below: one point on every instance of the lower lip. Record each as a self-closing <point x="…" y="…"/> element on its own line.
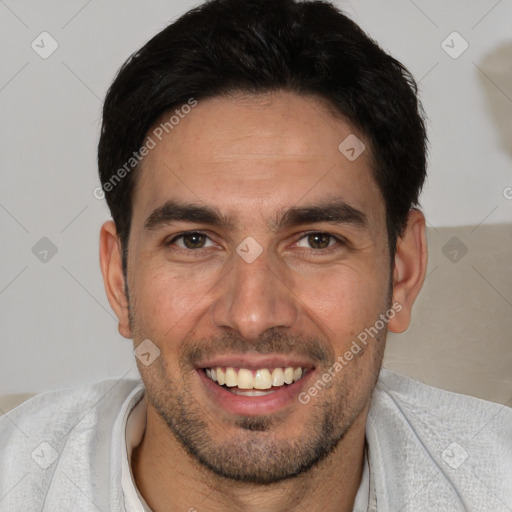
<point x="254" y="405"/>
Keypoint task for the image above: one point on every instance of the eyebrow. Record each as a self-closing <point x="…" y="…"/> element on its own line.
<point x="335" y="211"/>
<point x="174" y="211"/>
<point x="332" y="211"/>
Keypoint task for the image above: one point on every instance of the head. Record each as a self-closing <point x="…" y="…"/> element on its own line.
<point x="290" y="150"/>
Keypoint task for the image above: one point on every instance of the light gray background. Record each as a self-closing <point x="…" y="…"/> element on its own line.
<point x="56" y="327"/>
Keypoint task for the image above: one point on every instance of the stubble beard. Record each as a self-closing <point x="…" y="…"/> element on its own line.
<point x="253" y="454"/>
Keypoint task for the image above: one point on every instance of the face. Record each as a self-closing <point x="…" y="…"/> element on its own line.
<point x="257" y="254"/>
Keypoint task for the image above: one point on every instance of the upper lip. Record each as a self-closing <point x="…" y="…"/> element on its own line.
<point x="256" y="361"/>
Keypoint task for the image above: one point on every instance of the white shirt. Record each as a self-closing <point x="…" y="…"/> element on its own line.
<point x="428" y="450"/>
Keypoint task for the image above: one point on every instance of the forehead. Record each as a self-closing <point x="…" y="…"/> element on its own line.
<point x="247" y="152"/>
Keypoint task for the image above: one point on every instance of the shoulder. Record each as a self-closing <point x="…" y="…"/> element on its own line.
<point x="54" y="428"/>
<point x="60" y="408"/>
<point x="458" y="447"/>
<point x="452" y="411"/>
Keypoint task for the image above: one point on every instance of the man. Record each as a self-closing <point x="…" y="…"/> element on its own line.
<point x="262" y="161"/>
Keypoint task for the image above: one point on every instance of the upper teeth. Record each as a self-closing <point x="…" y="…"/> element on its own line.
<point x="259" y="379"/>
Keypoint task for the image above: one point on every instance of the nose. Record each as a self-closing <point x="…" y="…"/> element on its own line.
<point x="254" y="297"/>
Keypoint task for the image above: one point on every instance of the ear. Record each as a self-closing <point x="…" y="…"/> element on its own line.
<point x="113" y="278"/>
<point x="410" y="269"/>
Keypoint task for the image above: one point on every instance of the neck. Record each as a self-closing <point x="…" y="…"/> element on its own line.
<point x="169" y="478"/>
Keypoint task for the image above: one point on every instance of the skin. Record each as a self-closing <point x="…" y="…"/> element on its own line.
<point x="253" y="157"/>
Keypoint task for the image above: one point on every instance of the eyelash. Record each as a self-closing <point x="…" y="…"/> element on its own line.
<point x="330" y="248"/>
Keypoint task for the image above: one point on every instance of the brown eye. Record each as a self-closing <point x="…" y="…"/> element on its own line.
<point x="191" y="240"/>
<point x="318" y="240"/>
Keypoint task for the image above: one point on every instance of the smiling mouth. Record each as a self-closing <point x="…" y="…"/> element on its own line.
<point x="246" y="382"/>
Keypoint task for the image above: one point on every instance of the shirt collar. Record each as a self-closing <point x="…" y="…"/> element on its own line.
<point x="132" y="436"/>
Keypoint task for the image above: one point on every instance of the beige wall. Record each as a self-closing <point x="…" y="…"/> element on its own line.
<point x="461" y="334"/>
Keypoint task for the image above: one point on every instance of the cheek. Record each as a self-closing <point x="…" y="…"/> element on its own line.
<point x="167" y="302"/>
<point x="345" y="301"/>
